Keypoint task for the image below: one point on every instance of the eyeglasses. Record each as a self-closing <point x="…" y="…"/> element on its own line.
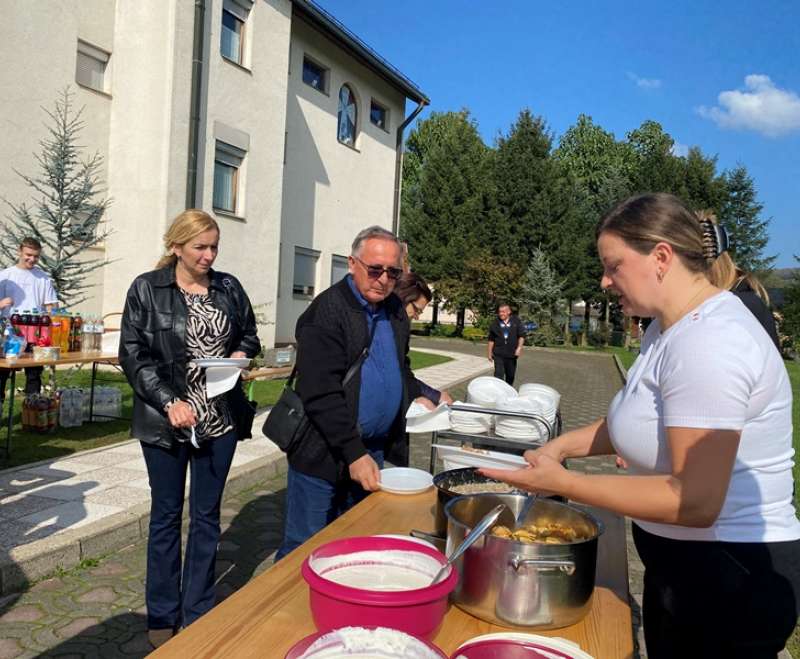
<point x="376" y="271"/>
<point x="417" y="310"/>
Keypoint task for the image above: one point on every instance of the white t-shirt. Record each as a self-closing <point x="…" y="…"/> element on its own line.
<point x="30" y="289"/>
<point x="715" y="368"/>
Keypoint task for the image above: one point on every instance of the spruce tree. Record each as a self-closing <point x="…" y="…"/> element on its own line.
<point x="67" y="209"/>
<point x="740" y="214"/>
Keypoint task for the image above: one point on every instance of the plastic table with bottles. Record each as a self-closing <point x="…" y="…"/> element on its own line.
<point x="36" y="338"/>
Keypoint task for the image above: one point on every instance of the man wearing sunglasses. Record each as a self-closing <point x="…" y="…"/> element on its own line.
<point x="353" y="424"/>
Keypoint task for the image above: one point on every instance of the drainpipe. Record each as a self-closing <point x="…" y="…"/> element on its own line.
<point x="398" y="167"/>
<point x="195" y="103"/>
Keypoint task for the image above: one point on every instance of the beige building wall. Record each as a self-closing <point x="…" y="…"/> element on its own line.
<point x="247" y="104"/>
<point x="330" y="190"/>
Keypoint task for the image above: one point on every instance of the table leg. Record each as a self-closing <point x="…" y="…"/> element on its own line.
<point x="10" y="426"/>
<point x="434" y="439"/>
<point x="91" y="392"/>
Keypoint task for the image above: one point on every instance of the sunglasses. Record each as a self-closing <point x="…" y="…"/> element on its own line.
<point x="376" y="271"/>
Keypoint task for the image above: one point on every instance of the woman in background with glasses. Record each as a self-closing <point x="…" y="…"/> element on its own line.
<point x="415" y="295"/>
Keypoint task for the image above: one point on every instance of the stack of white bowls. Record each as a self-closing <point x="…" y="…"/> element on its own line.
<point x="486" y="390"/>
<point x="522" y="429"/>
<point x="471" y="423"/>
<point x="544" y="397"/>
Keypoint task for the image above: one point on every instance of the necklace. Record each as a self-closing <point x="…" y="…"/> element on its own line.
<point x="688" y="305"/>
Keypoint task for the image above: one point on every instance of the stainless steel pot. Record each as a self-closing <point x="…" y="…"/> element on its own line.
<point x="532" y="585"/>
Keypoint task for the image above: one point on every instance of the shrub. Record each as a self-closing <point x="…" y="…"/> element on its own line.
<point x="473" y="334"/>
<point x="442" y="330"/>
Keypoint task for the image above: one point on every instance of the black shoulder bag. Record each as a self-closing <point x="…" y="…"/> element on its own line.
<point x="287" y="424"/>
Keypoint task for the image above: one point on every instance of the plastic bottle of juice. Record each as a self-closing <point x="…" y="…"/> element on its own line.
<point x="55" y="328"/>
<point x="25" y="327"/>
<point x="66" y="332"/>
<point x="77" y="329"/>
<point x="15" y="319"/>
<point x="46" y="328"/>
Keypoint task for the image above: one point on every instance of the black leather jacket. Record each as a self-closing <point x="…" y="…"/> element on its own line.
<point x="152" y="349"/>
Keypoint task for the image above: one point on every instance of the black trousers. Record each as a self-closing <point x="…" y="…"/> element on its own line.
<point x="718" y="599"/>
<point x="505" y="368"/>
<point x="33" y="380"/>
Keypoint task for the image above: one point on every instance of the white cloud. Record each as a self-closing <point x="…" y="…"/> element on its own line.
<point x="760" y="106"/>
<point x="680" y="150"/>
<point x="644" y="83"/>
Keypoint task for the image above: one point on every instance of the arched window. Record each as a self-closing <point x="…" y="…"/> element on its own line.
<point x="348" y="114"/>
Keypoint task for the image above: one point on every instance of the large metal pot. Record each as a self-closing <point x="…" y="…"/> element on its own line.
<point x="444" y="482"/>
<point x="532" y="585"/>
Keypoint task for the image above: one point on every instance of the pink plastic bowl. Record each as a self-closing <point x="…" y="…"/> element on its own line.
<point x="418" y="612"/>
<point x="297" y="650"/>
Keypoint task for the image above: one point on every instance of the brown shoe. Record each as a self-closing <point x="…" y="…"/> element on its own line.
<point x="158" y="637"/>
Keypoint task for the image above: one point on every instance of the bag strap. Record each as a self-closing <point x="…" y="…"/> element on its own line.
<point x="353" y="367"/>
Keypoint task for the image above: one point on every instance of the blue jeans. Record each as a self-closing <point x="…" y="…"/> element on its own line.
<point x="174" y="600"/>
<point x="312" y="503"/>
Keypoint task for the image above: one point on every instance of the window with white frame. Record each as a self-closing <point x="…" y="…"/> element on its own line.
<point x="347" y="116"/>
<point x="90" y="67"/>
<point x="228" y="161"/>
<point x="315" y="74"/>
<point x="232" y="34"/>
<point x="379" y="115"/>
<point x="305" y="271"/>
<point x="339" y="268"/>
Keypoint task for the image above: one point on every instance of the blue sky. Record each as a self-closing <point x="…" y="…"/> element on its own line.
<point x="722" y="76"/>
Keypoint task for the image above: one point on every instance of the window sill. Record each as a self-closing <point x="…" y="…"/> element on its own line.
<point x="324" y="92"/>
<point x="301" y="296"/>
<point x="230" y="215"/>
<point x="349" y="146"/>
<point x="99" y="92"/>
<point x="236" y="64"/>
<point x="385" y="130"/>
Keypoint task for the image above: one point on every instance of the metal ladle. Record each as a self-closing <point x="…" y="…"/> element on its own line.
<point x="526" y="508"/>
<point x="479" y="529"/>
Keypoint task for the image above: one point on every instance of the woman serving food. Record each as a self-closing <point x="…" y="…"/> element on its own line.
<point x="705" y="425"/>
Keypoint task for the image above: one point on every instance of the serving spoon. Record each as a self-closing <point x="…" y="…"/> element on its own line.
<point x="478" y="530"/>
<point x="526" y="508"/>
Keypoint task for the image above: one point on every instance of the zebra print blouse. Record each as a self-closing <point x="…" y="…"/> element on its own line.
<point x="207" y="332"/>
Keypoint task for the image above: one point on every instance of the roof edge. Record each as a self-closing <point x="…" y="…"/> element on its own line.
<point x="337" y="31"/>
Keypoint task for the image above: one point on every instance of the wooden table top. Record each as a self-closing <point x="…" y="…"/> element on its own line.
<point x="271" y="613"/>
<point x="66" y="358"/>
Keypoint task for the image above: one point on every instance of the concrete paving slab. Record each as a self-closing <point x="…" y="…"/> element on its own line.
<point x="68" y="468"/>
<point x="20" y="480"/>
<point x="86" y="484"/>
<point x="134" y="464"/>
<point x="19" y="505"/>
<point x="121" y="496"/>
<point x="71" y="514"/>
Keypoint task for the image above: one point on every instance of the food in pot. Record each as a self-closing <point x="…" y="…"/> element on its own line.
<point x="550" y="534"/>
<point x="363" y="643"/>
<point x="387" y="570"/>
<point x="477" y="488"/>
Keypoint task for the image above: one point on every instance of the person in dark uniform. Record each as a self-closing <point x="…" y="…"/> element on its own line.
<point x="506" y="337"/>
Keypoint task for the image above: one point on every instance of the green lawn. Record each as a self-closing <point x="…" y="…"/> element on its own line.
<point x="423" y="359"/>
<point x="27" y="447"/>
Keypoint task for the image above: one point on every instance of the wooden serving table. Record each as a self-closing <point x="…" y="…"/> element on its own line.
<point x="271" y="613"/>
<point x="14" y="365"/>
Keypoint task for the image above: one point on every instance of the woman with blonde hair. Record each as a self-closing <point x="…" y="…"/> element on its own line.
<point x="704" y="422"/>
<point x="182" y="311"/>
